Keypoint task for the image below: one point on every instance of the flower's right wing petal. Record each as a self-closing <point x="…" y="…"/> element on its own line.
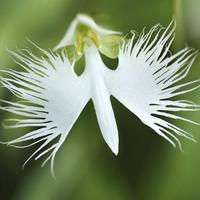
<point x="52" y="95"/>
<point x="144" y="82"/>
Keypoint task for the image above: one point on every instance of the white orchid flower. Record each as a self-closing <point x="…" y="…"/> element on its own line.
<point x="145" y="81"/>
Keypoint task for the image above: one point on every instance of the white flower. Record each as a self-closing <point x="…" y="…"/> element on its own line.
<point x="53" y="95"/>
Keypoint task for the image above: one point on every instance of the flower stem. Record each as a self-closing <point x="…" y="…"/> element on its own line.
<point x="180" y="30"/>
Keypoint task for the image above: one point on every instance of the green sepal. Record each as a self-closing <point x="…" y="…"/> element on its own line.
<point x="72" y="54"/>
<point x="110" y="45"/>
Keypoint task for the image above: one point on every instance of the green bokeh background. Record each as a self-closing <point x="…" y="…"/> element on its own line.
<point x="147" y="167"/>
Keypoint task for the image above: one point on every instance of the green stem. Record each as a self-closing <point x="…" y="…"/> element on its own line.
<point x="180" y="30"/>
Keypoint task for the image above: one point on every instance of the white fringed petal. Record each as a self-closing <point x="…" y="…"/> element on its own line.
<point x="144" y="81"/>
<point x="53" y="97"/>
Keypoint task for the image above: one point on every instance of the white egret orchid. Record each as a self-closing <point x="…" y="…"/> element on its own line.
<point x="145" y="81"/>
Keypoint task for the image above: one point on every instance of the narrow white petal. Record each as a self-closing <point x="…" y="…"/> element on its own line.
<point x="96" y="71"/>
<point x="145" y="77"/>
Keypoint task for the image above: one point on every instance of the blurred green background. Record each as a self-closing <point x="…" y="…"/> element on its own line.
<point x="147" y="167"/>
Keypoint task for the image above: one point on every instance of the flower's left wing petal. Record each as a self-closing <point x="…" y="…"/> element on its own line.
<point x="145" y="81"/>
<point x="52" y="97"/>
